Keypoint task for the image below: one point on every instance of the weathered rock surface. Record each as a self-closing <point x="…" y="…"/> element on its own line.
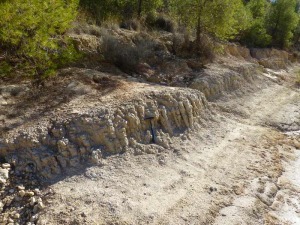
<point x="21" y="201"/>
<point x="50" y="149"/>
<point x="3" y="175"/>
<point x="218" y="79"/>
<point x="271" y="58"/>
<point x="238" y="51"/>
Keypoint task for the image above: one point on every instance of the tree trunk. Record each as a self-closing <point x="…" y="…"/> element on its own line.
<point x="140" y="2"/>
<point x="199" y="28"/>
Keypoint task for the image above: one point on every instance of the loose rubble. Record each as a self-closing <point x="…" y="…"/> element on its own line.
<point x="20" y="199"/>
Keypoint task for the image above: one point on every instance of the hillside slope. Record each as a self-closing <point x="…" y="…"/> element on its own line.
<point x="175" y="144"/>
<point x="230" y="171"/>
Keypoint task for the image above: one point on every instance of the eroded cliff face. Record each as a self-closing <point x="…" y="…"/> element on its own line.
<point x="239" y="68"/>
<point x="272" y="58"/>
<point x="218" y="79"/>
<point x="151" y="114"/>
<point x="153" y="118"/>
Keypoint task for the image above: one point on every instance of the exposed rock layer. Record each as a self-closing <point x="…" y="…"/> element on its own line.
<point x="217" y="80"/>
<point x="50" y="150"/>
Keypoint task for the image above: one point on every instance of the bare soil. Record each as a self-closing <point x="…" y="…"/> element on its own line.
<point x="239" y="168"/>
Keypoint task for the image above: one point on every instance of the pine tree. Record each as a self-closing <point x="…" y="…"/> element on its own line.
<point x="256" y="35"/>
<point x="221" y="18"/>
<point x="282" y="21"/>
<point x="30" y="34"/>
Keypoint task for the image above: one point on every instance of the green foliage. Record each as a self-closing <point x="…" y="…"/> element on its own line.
<point x="5" y="69"/>
<point x="101" y="10"/>
<point x="282" y="21"/>
<point x="256" y="23"/>
<point x="31" y="33"/>
<point x="256" y="35"/>
<point x="296" y="33"/>
<point x="221" y="18"/>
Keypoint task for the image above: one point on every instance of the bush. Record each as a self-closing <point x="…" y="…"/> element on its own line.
<point x="127" y="55"/>
<point x="31" y="34"/>
<point x="104" y="10"/>
<point x="123" y="55"/>
<point x="131" y="24"/>
<point x="83" y="28"/>
<point x="205" y="48"/>
<point x="256" y="36"/>
<point x="5" y="69"/>
<point x="160" y="22"/>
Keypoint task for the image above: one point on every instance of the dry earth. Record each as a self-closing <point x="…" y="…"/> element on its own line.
<point x="241" y="167"/>
<point x="231" y="160"/>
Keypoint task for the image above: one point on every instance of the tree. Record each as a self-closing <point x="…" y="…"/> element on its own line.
<point x="102" y="10"/>
<point x="220" y="18"/>
<point x="282" y="21"/>
<point x="256" y="35"/>
<point x="30" y="34"/>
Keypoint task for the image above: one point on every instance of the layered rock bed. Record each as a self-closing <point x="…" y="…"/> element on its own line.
<point x="48" y="148"/>
<point x="96" y="118"/>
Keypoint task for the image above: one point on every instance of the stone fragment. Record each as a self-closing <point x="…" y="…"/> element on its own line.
<point x="3" y="175"/>
<point x="33" y="200"/>
<point x="16" y="216"/>
<point x="20" y="187"/>
<point x="37" y="191"/>
<point x="29" y="193"/>
<point x="22" y="193"/>
<point x="34" y="218"/>
<point x="40" y="205"/>
<point x="5" y="165"/>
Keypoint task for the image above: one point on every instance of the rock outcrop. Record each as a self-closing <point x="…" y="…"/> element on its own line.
<point x="50" y="148"/>
<point x="238" y="51"/>
<point x="216" y="80"/>
<point x="271" y="58"/>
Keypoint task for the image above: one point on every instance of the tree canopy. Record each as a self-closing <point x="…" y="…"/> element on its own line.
<point x="220" y="18"/>
<point x="30" y="33"/>
<point x="282" y="21"/>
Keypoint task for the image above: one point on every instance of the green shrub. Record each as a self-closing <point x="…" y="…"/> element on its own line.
<point x="5" y="69"/>
<point x="131" y="24"/>
<point x="31" y="32"/>
<point x="256" y="36"/>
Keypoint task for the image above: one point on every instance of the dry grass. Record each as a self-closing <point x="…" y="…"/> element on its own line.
<point x="298" y="79"/>
<point x="127" y="55"/>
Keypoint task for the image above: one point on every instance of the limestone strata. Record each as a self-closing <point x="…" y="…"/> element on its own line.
<point x="271" y="58"/>
<point x="238" y="51"/>
<point x="217" y="80"/>
<point x="88" y="137"/>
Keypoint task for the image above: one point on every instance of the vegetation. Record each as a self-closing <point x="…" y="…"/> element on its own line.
<point x="118" y="10"/>
<point x="32" y="39"/>
<point x="256" y="35"/>
<point x="282" y="21"/>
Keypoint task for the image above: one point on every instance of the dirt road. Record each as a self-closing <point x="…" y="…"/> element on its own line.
<point x="239" y="168"/>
